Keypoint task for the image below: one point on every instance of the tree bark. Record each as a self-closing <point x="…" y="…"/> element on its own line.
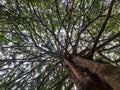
<point x="91" y="75"/>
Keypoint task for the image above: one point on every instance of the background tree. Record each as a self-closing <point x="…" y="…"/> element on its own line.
<point x="59" y="44"/>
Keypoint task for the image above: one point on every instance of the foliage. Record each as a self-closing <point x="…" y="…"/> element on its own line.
<point x="35" y="35"/>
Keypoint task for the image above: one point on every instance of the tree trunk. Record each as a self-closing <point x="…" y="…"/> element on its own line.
<point x="90" y="75"/>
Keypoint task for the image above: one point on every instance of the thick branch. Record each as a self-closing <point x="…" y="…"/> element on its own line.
<point x="101" y="31"/>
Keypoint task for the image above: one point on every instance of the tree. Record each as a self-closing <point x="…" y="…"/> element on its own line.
<point x="59" y="44"/>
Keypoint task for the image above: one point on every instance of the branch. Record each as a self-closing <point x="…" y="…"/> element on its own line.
<point x="44" y="78"/>
<point x="114" y="47"/>
<point x="79" y="34"/>
<point x="59" y="83"/>
<point x="106" y="42"/>
<point x="101" y="31"/>
<point x="104" y="57"/>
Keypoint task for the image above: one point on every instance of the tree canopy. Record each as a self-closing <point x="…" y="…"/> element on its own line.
<point x="35" y="35"/>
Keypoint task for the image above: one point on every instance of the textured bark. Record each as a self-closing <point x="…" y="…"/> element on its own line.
<point x="90" y="75"/>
